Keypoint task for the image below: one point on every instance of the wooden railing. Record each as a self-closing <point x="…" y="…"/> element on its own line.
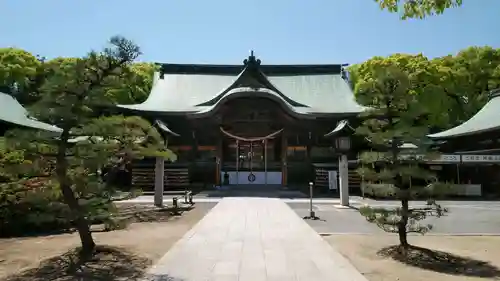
<point x="143" y="175"/>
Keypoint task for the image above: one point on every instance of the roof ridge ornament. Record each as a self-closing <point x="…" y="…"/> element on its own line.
<point x="251" y="61"/>
<point x="344" y="72"/>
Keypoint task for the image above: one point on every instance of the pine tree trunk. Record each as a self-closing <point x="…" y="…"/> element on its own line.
<point x="81" y="223"/>
<point x="403" y="235"/>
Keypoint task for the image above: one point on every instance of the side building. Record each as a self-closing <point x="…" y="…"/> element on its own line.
<point x="248" y="124"/>
<point x="13" y="114"/>
<point x="476" y="143"/>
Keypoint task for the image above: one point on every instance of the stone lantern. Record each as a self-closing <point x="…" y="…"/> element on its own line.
<point x="343" y="144"/>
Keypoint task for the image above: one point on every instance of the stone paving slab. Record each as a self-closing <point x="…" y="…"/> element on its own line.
<point x="253" y="239"/>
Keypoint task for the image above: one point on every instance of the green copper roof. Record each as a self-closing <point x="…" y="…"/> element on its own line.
<point x="487" y="119"/>
<point x="198" y="89"/>
<point x="13" y="112"/>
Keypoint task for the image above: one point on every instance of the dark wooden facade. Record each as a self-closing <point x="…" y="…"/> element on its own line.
<point x="301" y="144"/>
<point x="301" y="102"/>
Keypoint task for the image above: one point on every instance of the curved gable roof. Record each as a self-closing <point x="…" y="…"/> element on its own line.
<point x="307" y="89"/>
<point x="251" y="77"/>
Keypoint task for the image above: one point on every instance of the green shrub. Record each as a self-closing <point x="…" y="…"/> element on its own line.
<point x="379" y="190"/>
<point x="31" y="205"/>
<point x="26" y="209"/>
<point x="35" y="206"/>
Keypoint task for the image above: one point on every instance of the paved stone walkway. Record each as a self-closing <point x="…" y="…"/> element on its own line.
<point x="253" y="239"/>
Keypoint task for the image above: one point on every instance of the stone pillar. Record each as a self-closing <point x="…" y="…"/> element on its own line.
<point x="159" y="180"/>
<point x="344" y="180"/>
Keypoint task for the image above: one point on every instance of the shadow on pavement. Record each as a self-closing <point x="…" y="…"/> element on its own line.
<point x="107" y="264"/>
<point x="442" y="262"/>
<point x="132" y="213"/>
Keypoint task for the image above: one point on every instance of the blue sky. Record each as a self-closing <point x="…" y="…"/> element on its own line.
<point x="223" y="31"/>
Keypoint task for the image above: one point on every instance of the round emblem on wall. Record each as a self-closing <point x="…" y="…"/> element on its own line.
<point x="251" y="177"/>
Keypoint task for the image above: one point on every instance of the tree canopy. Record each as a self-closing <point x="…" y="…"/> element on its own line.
<point x="22" y="74"/>
<point x="451" y="88"/>
<point x="418" y="8"/>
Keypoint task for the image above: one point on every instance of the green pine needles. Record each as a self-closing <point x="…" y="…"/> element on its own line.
<point x="75" y="98"/>
<point x="394" y="120"/>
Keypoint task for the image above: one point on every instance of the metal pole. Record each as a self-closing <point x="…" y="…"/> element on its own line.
<point x="311" y="212"/>
<point x="237" y="162"/>
<point x="265" y="161"/>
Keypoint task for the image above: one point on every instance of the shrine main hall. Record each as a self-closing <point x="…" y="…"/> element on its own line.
<point x="250" y="124"/>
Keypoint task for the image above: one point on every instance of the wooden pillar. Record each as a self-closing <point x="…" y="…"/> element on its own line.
<point x="219" y="160"/>
<point x="265" y="161"/>
<point x="159" y="181"/>
<point x="237" y="162"/>
<point x="308" y="147"/>
<point x="284" y="164"/>
<point x="194" y="147"/>
<point x="193" y="156"/>
<point x="311" y="170"/>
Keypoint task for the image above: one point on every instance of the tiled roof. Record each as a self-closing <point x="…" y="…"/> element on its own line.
<point x="305" y="89"/>
<point x="486" y="120"/>
<point x="11" y="111"/>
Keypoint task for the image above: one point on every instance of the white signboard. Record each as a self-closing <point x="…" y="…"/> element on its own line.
<point x="443" y="158"/>
<point x="332" y="180"/>
<point x="481" y="158"/>
<point x="454" y="158"/>
<point x="446" y="158"/>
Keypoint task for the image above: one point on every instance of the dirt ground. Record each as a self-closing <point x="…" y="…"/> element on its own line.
<point x="456" y="258"/>
<point x="126" y="253"/>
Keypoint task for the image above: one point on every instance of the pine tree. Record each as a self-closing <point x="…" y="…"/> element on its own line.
<point x="393" y="119"/>
<point x="72" y="99"/>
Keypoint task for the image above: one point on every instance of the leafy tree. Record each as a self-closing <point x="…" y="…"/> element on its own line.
<point x="133" y="85"/>
<point x="466" y="79"/>
<point x="418" y="8"/>
<point x="87" y="141"/>
<point x="451" y="88"/>
<point x="21" y="73"/>
<point x="424" y="84"/>
<point x="395" y="118"/>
